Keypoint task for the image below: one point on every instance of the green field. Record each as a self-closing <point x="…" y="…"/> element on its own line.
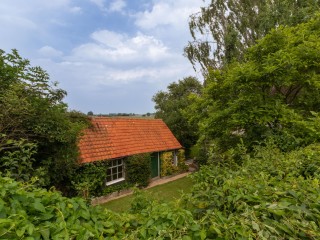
<point x="165" y="192"/>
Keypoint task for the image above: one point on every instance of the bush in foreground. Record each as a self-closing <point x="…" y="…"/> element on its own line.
<point x="272" y="195"/>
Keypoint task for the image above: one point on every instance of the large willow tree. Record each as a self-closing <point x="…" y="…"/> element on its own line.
<point x="225" y="28"/>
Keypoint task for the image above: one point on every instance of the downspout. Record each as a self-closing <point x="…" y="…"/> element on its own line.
<point x="159" y="170"/>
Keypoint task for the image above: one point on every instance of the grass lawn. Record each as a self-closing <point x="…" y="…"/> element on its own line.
<point x="165" y="192"/>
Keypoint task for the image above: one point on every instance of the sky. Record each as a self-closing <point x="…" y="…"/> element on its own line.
<point x="111" y="56"/>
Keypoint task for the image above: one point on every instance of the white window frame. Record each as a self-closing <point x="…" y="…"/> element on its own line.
<point x="114" y="167"/>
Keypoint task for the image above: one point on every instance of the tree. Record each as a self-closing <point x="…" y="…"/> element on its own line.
<point x="34" y="119"/>
<point x="170" y="106"/>
<point x="223" y="30"/>
<point x="274" y="94"/>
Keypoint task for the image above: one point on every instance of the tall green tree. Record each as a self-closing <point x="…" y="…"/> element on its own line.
<point x="35" y="124"/>
<point x="171" y="104"/>
<point x="224" y="29"/>
<point x="274" y="94"/>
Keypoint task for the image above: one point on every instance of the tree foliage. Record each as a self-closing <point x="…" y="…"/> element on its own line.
<point x="223" y="30"/>
<point x="32" y="112"/>
<point x="273" y="93"/>
<point x="170" y="106"/>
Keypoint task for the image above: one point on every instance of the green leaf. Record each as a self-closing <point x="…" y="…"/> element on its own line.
<point x="203" y="234"/>
<point x="110" y="231"/>
<point x="215" y="229"/>
<point x="20" y="232"/>
<point x="255" y="226"/>
<point x="30" y="228"/>
<point x="45" y="233"/>
<point x="195" y="228"/>
<point x="39" y="206"/>
<point x="186" y="238"/>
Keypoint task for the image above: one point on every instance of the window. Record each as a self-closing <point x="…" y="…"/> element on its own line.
<point x="115" y="171"/>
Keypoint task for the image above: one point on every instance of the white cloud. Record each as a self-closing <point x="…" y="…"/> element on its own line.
<point x="117" y="6"/>
<point x="109" y="38"/>
<point x="167" y="12"/>
<point x="114" y="48"/>
<point x="76" y="10"/>
<point x="99" y="3"/>
<point x="50" y="52"/>
<point x="167" y="20"/>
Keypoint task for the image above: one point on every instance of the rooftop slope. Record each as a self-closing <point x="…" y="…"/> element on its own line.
<point x="119" y="137"/>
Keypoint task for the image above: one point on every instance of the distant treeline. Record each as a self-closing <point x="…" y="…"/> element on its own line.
<point x="90" y="113"/>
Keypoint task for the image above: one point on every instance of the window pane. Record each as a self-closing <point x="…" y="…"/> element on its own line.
<point x="115" y="170"/>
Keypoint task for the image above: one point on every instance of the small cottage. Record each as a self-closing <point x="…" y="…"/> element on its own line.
<point x="114" y="139"/>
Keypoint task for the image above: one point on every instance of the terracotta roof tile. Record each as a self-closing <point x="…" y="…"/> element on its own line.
<point x="119" y="137"/>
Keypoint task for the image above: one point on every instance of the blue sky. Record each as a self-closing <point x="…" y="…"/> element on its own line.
<point x="109" y="55"/>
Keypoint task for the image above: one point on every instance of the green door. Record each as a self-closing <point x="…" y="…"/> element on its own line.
<point x="154" y="165"/>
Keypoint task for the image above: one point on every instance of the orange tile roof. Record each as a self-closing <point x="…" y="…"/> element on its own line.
<point x="111" y="138"/>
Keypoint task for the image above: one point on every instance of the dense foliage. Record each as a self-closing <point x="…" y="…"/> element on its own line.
<point x="138" y="169"/>
<point x="169" y="167"/>
<point x="170" y="106"/>
<point x="274" y="94"/>
<point x="90" y="178"/>
<point x="224" y="29"/>
<point x="272" y="195"/>
<point x="37" y="134"/>
<point x="28" y="212"/>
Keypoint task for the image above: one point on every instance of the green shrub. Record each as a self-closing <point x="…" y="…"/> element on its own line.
<point x="138" y="169"/>
<point x="182" y="167"/>
<point x="167" y="168"/>
<point x="89" y="179"/>
<point x="27" y="212"/>
<point x="17" y="163"/>
<point x="272" y="195"/>
<point x="142" y="200"/>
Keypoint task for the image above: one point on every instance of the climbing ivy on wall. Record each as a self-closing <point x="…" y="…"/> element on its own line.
<point x="90" y="178"/>
<point x="138" y="169"/>
<point x="167" y="166"/>
<point x="182" y="167"/>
